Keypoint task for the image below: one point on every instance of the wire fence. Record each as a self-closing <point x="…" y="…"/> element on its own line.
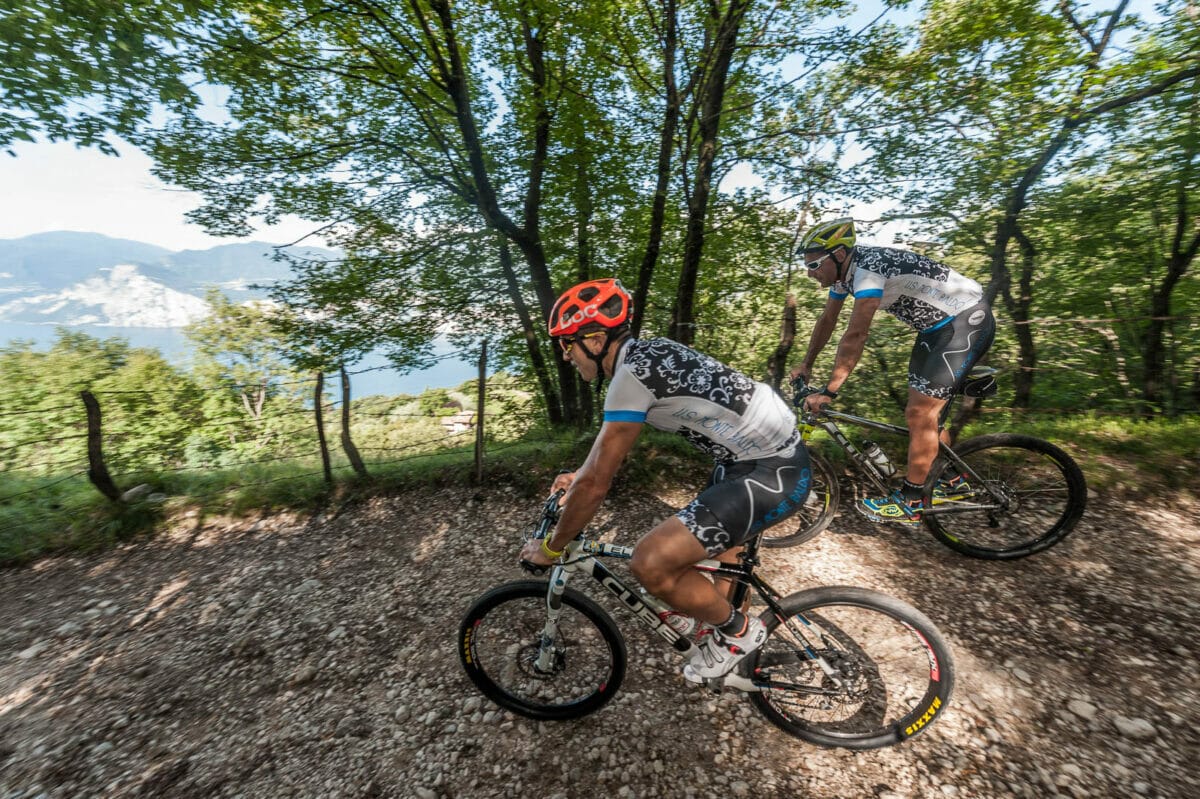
<point x="115" y="438"/>
<point x="51" y="452"/>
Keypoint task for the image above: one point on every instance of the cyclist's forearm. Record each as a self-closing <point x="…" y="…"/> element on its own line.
<point x="820" y="337"/>
<point x="849" y="350"/>
<point x="580" y="505"/>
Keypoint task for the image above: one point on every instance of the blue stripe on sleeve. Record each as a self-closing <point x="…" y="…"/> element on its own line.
<point x="625" y="416"/>
<point x="868" y="293"/>
<point x="837" y="295"/>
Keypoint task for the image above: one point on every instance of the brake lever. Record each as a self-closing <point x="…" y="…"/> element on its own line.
<point x="550" y="513"/>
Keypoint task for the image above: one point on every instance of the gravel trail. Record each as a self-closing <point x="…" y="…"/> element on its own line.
<point x="315" y="657"/>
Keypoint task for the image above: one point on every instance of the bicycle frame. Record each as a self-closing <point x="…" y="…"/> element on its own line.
<point x="827" y="421"/>
<point x="581" y="558"/>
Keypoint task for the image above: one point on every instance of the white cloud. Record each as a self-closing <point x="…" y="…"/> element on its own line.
<point x="56" y="186"/>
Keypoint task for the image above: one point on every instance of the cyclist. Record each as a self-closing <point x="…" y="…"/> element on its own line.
<point x="761" y="475"/>
<point x="954" y="327"/>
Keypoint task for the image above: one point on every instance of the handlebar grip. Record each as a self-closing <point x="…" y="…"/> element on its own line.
<point x="802" y="389"/>
<point x="533" y="568"/>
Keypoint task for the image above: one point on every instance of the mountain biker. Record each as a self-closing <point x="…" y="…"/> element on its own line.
<point x="954" y="327"/>
<point x="761" y="474"/>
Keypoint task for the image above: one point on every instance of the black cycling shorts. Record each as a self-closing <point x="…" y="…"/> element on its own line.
<point x="744" y="497"/>
<point x="941" y="358"/>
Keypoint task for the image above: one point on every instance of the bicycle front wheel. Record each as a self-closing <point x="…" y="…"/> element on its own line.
<point x="580" y="669"/>
<point x="1043" y="487"/>
<point x="814" y="515"/>
<point x="847" y="667"/>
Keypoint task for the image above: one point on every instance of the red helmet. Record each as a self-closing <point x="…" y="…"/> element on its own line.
<point x="603" y="302"/>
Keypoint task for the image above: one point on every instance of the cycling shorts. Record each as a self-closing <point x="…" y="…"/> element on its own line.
<point x="943" y="356"/>
<point x="744" y="497"/>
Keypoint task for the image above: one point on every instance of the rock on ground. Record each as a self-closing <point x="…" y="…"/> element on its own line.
<point x="302" y="658"/>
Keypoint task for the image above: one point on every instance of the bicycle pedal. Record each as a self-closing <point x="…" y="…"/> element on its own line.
<point x="715" y="684"/>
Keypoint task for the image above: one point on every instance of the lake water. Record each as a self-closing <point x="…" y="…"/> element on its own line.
<point x="175" y="347"/>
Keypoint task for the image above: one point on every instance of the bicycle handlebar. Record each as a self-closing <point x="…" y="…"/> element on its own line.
<point x="802" y="390"/>
<point x="550" y="513"/>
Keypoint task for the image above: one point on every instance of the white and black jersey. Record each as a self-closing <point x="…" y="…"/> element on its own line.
<point x="915" y="289"/>
<point x="672" y="387"/>
<point x="762" y="474"/>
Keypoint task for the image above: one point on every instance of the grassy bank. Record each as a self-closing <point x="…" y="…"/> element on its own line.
<point x="65" y="513"/>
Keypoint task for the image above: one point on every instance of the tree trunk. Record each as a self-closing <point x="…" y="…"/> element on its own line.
<point x="712" y="92"/>
<point x="666" y="143"/>
<point x="526" y="237"/>
<point x="540" y="371"/>
<point x="777" y="363"/>
<point x="1019" y="308"/>
<point x="347" y="443"/>
<point x="1183" y="252"/>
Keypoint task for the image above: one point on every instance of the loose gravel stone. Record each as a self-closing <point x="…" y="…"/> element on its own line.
<point x="1137" y="729"/>
<point x="318" y="659"/>
<point x="1085" y="710"/>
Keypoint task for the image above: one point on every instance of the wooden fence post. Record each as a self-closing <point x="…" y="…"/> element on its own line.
<point x="347" y="444"/>
<point x="97" y="471"/>
<point x="321" y="427"/>
<point x="479" y="413"/>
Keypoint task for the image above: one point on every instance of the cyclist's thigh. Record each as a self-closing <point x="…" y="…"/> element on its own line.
<point x="752" y="495"/>
<point x="941" y="358"/>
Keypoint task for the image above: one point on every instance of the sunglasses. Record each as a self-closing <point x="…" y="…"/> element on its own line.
<point x="567" y="342"/>
<point x="811" y="265"/>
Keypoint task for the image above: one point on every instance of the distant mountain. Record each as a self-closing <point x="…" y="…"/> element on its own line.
<point x="60" y="259"/>
<point x="85" y="278"/>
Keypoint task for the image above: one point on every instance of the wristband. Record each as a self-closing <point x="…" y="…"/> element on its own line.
<point x="550" y="553"/>
<point x="828" y="392"/>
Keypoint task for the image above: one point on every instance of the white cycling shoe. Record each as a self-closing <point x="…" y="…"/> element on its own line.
<point x="720" y="653"/>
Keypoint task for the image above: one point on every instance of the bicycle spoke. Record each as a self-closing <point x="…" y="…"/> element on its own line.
<point x="881" y="674"/>
<point x="1044" y="495"/>
<point x="510" y="657"/>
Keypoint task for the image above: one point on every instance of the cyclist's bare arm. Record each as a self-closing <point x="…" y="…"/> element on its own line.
<point x="820" y="336"/>
<point x="590" y="484"/>
<point x="850" y="348"/>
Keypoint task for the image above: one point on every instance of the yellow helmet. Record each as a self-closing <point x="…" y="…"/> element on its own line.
<point x="829" y="236"/>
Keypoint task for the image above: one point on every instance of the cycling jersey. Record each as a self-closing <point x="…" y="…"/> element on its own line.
<point x="762" y="474"/>
<point x="917" y="290"/>
<point x="671" y="387"/>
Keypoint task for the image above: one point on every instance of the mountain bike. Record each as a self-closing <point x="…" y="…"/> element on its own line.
<point x="841" y="666"/>
<point x="998" y="497"/>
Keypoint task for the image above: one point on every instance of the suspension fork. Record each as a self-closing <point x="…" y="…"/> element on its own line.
<point x="545" y="660"/>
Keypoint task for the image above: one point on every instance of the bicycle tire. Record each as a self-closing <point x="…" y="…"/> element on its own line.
<point x="1043" y="513"/>
<point x="499" y="637"/>
<point x="896" y="668"/>
<point x="814" y="515"/>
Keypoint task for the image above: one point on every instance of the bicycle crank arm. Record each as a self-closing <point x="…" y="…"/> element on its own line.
<point x="744" y="684"/>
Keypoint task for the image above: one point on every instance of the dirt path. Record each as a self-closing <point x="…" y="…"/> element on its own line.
<point x="316" y="658"/>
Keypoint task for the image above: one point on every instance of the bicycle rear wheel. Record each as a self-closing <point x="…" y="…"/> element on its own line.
<point x="814" y="515"/>
<point x="500" y="640"/>
<point x="892" y="673"/>
<point x="1045" y="488"/>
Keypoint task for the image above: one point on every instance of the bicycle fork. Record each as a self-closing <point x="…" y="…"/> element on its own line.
<point x="547" y="656"/>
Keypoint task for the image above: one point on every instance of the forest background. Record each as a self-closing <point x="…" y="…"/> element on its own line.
<point x="471" y="158"/>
